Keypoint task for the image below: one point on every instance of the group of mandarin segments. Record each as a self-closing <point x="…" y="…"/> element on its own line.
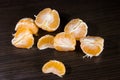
<point x="49" y="20"/>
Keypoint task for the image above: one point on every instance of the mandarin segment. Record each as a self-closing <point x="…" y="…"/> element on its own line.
<point x="76" y="27"/>
<point x="64" y="42"/>
<point x="28" y="23"/>
<point x="23" y="38"/>
<point x="21" y="31"/>
<point x="55" y="67"/>
<point x="92" y="45"/>
<point x="48" y="19"/>
<point x="45" y="42"/>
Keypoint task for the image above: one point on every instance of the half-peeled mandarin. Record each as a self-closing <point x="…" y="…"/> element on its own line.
<point x="64" y="42"/>
<point x="92" y="45"/>
<point x="45" y="42"/>
<point x="76" y="27"/>
<point x="28" y="23"/>
<point x="23" y="38"/>
<point x="55" y="67"/>
<point x="48" y="19"/>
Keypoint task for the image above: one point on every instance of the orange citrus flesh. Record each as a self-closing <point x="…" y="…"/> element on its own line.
<point x="28" y="23"/>
<point x="22" y="30"/>
<point x="45" y="42"/>
<point x="92" y="45"/>
<point x="55" y="67"/>
<point x="23" y="38"/>
<point x="64" y="42"/>
<point x="76" y="27"/>
<point x="48" y="19"/>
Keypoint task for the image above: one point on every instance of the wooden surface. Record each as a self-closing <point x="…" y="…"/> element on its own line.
<point x="102" y="18"/>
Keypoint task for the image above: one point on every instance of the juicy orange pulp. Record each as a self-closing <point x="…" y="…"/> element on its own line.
<point x="55" y="67"/>
<point x="28" y="23"/>
<point x="64" y="42"/>
<point x="48" y="19"/>
<point x="45" y="42"/>
<point x="23" y="38"/>
<point x="76" y="27"/>
<point x="92" y="45"/>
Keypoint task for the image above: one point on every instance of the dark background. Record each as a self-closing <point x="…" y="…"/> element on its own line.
<point x="102" y="18"/>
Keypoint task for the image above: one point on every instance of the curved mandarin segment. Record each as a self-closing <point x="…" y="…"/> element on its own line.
<point x="92" y="45"/>
<point x="21" y="31"/>
<point x="28" y="23"/>
<point x="76" y="27"/>
<point x="45" y="42"/>
<point x="48" y="19"/>
<point x="64" y="42"/>
<point x="23" y="38"/>
<point x="55" y="67"/>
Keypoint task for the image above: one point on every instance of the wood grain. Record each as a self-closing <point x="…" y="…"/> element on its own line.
<point x="102" y="18"/>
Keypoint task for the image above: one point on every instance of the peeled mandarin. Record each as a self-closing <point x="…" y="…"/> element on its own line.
<point x="76" y="27"/>
<point x="55" y="67"/>
<point x="48" y="19"/>
<point x="28" y="23"/>
<point x="64" y="42"/>
<point x="45" y="42"/>
<point x="92" y="45"/>
<point x="23" y="38"/>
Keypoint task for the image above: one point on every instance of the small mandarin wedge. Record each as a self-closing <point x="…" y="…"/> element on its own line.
<point x="76" y="27"/>
<point x="23" y="38"/>
<point x="92" y="45"/>
<point x="55" y="67"/>
<point x="28" y="23"/>
<point x="64" y="42"/>
<point x="48" y="19"/>
<point x="45" y="42"/>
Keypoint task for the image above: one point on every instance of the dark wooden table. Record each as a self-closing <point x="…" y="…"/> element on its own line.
<point x="102" y="18"/>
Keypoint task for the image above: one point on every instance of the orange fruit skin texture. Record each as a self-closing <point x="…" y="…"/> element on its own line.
<point x="48" y="20"/>
<point x="77" y="28"/>
<point x="45" y="42"/>
<point x="23" y="38"/>
<point x="55" y="67"/>
<point x="64" y="42"/>
<point x="92" y="45"/>
<point x="28" y="23"/>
